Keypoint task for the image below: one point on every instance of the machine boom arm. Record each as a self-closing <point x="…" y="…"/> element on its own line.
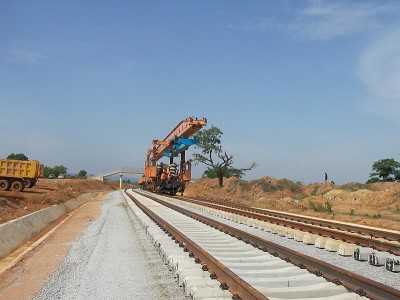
<point x="183" y="130"/>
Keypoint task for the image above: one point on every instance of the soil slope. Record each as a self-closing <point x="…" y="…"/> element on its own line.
<point x="376" y="204"/>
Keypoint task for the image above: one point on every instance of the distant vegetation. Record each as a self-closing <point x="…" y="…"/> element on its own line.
<point x="315" y="190"/>
<point x="268" y="186"/>
<point x="17" y="156"/>
<point x="385" y="170"/>
<point x="280" y="185"/>
<point x="319" y="207"/>
<point x="61" y="170"/>
<point x="56" y="170"/>
<point x="82" y="174"/>
<point x="354" y="186"/>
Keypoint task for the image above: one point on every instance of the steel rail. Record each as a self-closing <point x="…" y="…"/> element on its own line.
<point x="358" y="284"/>
<point x="229" y="280"/>
<point x="390" y="235"/>
<point x="326" y="228"/>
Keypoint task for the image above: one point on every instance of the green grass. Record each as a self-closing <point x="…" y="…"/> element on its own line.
<point x="301" y="197"/>
<point x="319" y="207"/>
<point x="281" y="185"/>
<point x="242" y="184"/>
<point x="377" y="216"/>
<point x="353" y="187"/>
<point x="314" y="192"/>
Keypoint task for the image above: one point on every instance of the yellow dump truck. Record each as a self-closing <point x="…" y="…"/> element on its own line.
<point x="18" y="174"/>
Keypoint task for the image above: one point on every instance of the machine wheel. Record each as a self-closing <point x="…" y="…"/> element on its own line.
<point x="4" y="185"/>
<point x="152" y="187"/>
<point x="17" y="186"/>
<point x="29" y="183"/>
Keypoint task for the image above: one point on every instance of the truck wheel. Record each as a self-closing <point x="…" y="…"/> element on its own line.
<point x="29" y="183"/>
<point x="17" y="186"/>
<point x="4" y="185"/>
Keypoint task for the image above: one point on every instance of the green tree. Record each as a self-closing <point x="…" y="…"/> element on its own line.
<point x="60" y="170"/>
<point x="218" y="161"/>
<point x="385" y="170"/>
<point x="213" y="173"/>
<point x="47" y="171"/>
<point x="82" y="174"/>
<point x="397" y="175"/>
<point x="56" y="170"/>
<point x="17" y="156"/>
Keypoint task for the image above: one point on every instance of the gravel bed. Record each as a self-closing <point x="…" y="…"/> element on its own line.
<point x="379" y="274"/>
<point x="112" y="260"/>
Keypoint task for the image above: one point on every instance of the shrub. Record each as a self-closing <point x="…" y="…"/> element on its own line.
<point x="328" y="207"/>
<point x="352" y="187"/>
<point x="314" y="192"/>
<point x="281" y="185"/>
<point x="301" y="197"/>
<point x="265" y="186"/>
<point x="285" y="184"/>
<point x="241" y="184"/>
<point x="318" y="207"/>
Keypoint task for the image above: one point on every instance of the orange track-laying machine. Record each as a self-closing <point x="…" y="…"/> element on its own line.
<point x="168" y="178"/>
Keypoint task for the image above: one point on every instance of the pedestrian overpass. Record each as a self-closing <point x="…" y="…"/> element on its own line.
<point x="121" y="172"/>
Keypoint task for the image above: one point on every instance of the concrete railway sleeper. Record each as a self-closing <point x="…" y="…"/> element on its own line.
<point x="355" y="228"/>
<point x="245" y="266"/>
<point x="332" y="242"/>
<point x="381" y="239"/>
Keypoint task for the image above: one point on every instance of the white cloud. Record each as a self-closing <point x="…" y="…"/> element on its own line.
<point x="21" y="52"/>
<point x="380" y="66"/>
<point x="379" y="70"/>
<point x="322" y="20"/>
<point x="258" y="25"/>
<point x="34" y="52"/>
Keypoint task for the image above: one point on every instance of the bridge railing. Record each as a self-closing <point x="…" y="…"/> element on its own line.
<point x="123" y="170"/>
<point x="132" y="170"/>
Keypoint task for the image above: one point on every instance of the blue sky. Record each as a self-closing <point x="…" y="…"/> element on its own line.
<point x="299" y="87"/>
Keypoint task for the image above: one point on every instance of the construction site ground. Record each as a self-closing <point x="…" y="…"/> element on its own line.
<point x="376" y="204"/>
<point x="48" y="192"/>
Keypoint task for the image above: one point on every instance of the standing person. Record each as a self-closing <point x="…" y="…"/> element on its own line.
<point x="326" y="178"/>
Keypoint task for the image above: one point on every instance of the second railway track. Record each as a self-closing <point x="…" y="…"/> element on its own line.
<point x="251" y="267"/>
<point x="376" y="238"/>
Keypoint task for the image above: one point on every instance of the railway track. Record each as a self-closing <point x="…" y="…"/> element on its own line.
<point x="375" y="238"/>
<point x="246" y="266"/>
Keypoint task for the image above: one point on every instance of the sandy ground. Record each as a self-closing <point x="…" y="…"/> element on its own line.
<point x="46" y="193"/>
<point x="29" y="275"/>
